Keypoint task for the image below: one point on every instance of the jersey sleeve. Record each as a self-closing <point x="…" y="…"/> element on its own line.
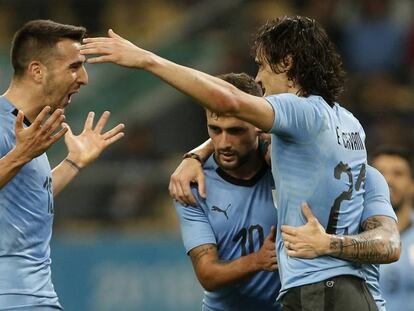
<point x="377" y="196"/>
<point x="296" y="118"/>
<point x="195" y="227"/>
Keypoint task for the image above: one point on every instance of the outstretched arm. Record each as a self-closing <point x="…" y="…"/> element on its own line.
<point x="84" y="149"/>
<point x="31" y="142"/>
<point x="378" y="244"/>
<point x="214" y="273"/>
<point x="211" y="92"/>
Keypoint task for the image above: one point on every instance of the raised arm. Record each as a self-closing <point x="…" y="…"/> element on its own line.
<point x="84" y="148"/>
<point x="211" y="92"/>
<point x="214" y="273"/>
<point x="31" y="142"/>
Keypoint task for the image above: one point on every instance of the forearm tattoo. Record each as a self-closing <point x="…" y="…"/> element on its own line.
<point x="201" y="252"/>
<point x="379" y="243"/>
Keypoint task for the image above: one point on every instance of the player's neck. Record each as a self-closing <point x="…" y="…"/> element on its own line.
<point x="23" y="98"/>
<point x="404" y="216"/>
<point x="249" y="169"/>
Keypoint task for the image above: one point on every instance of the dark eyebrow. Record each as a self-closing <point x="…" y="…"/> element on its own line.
<point x="76" y="64"/>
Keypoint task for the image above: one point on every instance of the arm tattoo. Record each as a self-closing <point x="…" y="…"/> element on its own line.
<point x="379" y="243"/>
<point x="201" y="252"/>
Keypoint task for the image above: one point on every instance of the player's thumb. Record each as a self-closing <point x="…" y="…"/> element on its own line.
<point x="19" y="121"/>
<point x="307" y="212"/>
<point x="112" y="34"/>
<point x="272" y="234"/>
<point x="202" y="186"/>
<point x="66" y="126"/>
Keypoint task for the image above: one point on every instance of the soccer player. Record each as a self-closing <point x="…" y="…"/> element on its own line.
<point x="379" y="242"/>
<point x="318" y="150"/>
<point x="48" y="70"/>
<point x="230" y="236"/>
<point x="397" y="279"/>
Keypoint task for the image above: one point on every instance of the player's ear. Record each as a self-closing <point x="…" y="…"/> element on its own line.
<point x="36" y="70"/>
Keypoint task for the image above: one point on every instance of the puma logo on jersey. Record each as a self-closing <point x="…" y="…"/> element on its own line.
<point x="219" y="210"/>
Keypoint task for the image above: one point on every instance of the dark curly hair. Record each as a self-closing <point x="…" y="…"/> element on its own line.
<point x="316" y="65"/>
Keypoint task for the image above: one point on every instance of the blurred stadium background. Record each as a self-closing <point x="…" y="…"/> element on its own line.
<point x="116" y="242"/>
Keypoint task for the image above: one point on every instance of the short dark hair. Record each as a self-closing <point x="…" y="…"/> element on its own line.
<point x="36" y="40"/>
<point x="243" y="82"/>
<point x="316" y="65"/>
<point x="391" y="150"/>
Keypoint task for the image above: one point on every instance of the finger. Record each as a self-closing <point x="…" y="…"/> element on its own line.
<point x="113" y="132"/>
<point x="53" y="122"/>
<point x="41" y="117"/>
<point x="89" y="121"/>
<point x="113" y="139"/>
<point x="188" y="194"/>
<point x="112" y="34"/>
<point x="201" y="181"/>
<point x="292" y="253"/>
<point x="96" y="39"/>
<point x="307" y="212"/>
<point x="100" y="59"/>
<point x="19" y="121"/>
<point x="56" y="124"/>
<point x="58" y="135"/>
<point x="65" y="125"/>
<point x="102" y="122"/>
<point x="95" y="48"/>
<point x="288" y="238"/>
<point x="272" y="234"/>
<point x="180" y="195"/>
<point x="288" y="229"/>
<point x="174" y="194"/>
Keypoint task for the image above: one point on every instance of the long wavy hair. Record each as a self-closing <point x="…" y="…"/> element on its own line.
<point x="302" y="42"/>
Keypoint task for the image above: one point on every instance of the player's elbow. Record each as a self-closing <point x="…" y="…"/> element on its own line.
<point x="227" y="101"/>
<point x="395" y="248"/>
<point x="208" y="281"/>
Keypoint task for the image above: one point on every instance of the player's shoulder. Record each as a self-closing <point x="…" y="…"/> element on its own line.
<point x="375" y="183"/>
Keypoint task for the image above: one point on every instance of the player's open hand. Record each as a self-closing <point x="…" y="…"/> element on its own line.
<point x="87" y="146"/>
<point x="307" y="241"/>
<point x="189" y="171"/>
<point x="266" y="257"/>
<point x="114" y="49"/>
<point x="34" y="140"/>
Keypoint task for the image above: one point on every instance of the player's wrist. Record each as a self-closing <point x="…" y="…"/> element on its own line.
<point x="195" y="156"/>
<point x="75" y="160"/>
<point x="333" y="245"/>
<point x="18" y="156"/>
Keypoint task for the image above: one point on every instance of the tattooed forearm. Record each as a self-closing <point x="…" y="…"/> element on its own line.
<point x="379" y="243"/>
<point x="201" y="252"/>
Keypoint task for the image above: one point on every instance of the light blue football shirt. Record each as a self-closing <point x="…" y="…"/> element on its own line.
<point x="376" y="203"/>
<point x="397" y="278"/>
<point x="319" y="157"/>
<point x="236" y="216"/>
<point x="26" y="217"/>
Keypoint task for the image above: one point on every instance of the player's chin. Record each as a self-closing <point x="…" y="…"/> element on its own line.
<point x="228" y="165"/>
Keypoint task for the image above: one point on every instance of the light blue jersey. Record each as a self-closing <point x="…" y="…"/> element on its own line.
<point x="376" y="203"/>
<point x="26" y="217"/>
<point x="236" y="216"/>
<point x="319" y="157"/>
<point x="397" y="278"/>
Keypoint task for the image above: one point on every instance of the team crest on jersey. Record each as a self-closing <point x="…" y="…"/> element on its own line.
<point x="221" y="210"/>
